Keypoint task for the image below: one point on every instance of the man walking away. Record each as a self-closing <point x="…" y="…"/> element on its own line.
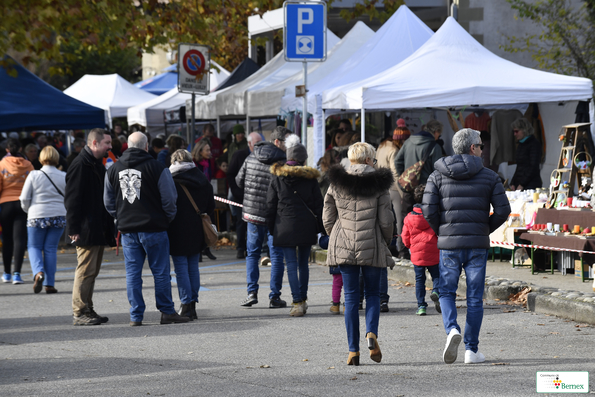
<point x="456" y="204"/>
<point x="88" y="224"/>
<point x="140" y="193"/>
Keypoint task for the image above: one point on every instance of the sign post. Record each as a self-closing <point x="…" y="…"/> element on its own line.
<point x="304" y="39"/>
<point x="194" y="61"/>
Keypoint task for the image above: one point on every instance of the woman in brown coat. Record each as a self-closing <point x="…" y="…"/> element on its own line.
<point x="358" y="218"/>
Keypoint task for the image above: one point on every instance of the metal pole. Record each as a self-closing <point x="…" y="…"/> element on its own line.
<point x="363" y="125"/>
<point x="219" y="128"/>
<point x="247" y="125"/>
<point x="305" y="104"/>
<point x="193" y="113"/>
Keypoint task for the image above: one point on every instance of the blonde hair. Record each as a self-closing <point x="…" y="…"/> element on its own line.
<point x="181" y="156"/>
<point x="49" y="156"/>
<point x="360" y="151"/>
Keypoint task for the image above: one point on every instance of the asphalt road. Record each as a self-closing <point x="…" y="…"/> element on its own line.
<point x="236" y="351"/>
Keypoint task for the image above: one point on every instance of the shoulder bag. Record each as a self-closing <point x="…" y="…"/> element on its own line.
<point x="52" y="182"/>
<point x="319" y="227"/>
<point x="210" y="231"/>
<point x="409" y="179"/>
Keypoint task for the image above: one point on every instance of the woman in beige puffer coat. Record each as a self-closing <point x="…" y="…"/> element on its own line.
<point x="357" y="216"/>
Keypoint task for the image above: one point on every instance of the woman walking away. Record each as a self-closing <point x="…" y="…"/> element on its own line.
<point x="293" y="218"/>
<point x="42" y="199"/>
<point x="14" y="169"/>
<point x="358" y="218"/>
<point x="186" y="237"/>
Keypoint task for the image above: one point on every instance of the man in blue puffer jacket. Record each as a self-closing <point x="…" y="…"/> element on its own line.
<point x="456" y="204"/>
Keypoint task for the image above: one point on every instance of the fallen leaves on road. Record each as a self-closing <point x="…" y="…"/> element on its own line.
<point x="554" y="333"/>
<point x="508" y="311"/>
<point x="500" y="364"/>
<point x="540" y="324"/>
<point x="582" y="325"/>
<point x="331" y="367"/>
<point x="354" y="378"/>
<point x="265" y="366"/>
<point x="520" y="298"/>
<point x="305" y="359"/>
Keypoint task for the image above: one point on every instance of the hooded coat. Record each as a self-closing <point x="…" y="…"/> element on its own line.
<point x="457" y="201"/>
<point x="294" y="205"/>
<point x="413" y="150"/>
<point x="528" y="158"/>
<point x="357" y="216"/>
<point x="140" y="193"/>
<point x="421" y="240"/>
<point x="186" y="236"/>
<point x="254" y="177"/>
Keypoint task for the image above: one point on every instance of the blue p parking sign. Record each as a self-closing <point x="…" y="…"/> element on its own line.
<point x="305" y="31"/>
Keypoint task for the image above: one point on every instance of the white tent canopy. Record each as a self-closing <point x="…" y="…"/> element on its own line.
<point x="266" y="101"/>
<point x="233" y="101"/>
<point x="453" y="69"/>
<point x="150" y="113"/>
<point x="109" y="92"/>
<point x="397" y="38"/>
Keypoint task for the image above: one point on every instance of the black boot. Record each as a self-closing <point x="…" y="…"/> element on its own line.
<point x="186" y="310"/>
<point x="207" y="252"/>
<point x="193" y="315"/>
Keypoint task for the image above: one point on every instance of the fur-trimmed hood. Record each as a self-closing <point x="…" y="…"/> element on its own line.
<point x="283" y="170"/>
<point x="361" y="180"/>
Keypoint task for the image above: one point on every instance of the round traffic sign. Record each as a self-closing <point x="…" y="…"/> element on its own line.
<point x="194" y="62"/>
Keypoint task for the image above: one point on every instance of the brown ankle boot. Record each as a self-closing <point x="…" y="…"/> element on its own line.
<point x="375" y="353"/>
<point x="50" y="290"/>
<point x="353" y="358"/>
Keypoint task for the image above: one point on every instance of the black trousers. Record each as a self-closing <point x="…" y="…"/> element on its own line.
<point x="14" y="234"/>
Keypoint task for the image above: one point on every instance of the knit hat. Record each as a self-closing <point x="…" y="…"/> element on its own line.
<point x="238" y="129"/>
<point x="297" y="153"/>
<point x="279" y="133"/>
<point x="401" y="123"/>
<point x="401" y="133"/>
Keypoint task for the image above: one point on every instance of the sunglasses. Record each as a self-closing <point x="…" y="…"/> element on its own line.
<point x="479" y="145"/>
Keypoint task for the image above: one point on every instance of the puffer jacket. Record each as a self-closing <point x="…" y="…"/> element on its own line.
<point x="357" y="216"/>
<point x="421" y="240"/>
<point x="254" y="177"/>
<point x="457" y="201"/>
<point x="294" y="205"/>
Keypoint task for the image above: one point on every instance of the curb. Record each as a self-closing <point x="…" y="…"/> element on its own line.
<point x="572" y="305"/>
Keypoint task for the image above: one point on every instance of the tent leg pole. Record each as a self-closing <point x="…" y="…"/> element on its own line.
<point x="248" y="131"/>
<point x="363" y="125"/>
<point x="219" y="127"/>
<point x="305" y="104"/>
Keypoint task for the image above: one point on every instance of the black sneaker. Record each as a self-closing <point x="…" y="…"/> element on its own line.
<point x="240" y="254"/>
<point x="436" y="299"/>
<point x="384" y="307"/>
<point x="102" y="319"/>
<point x="85" y="319"/>
<point x="136" y="323"/>
<point x="277" y="303"/>
<point x="251" y="299"/>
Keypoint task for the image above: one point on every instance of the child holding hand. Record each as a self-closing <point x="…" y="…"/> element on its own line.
<point x="422" y="242"/>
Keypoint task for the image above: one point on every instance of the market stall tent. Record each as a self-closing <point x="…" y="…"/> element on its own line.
<point x="109" y="92"/>
<point x="29" y="103"/>
<point x="244" y="70"/>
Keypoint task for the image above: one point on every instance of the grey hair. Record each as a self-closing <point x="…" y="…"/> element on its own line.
<point x="433" y="126"/>
<point x="181" y="156"/>
<point x="463" y="139"/>
<point x="138" y="140"/>
<point x="524" y="125"/>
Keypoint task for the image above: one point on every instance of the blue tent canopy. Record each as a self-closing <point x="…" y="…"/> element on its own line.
<point x="29" y="103"/>
<point x="161" y="83"/>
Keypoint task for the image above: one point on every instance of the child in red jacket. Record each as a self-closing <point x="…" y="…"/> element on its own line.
<point x="421" y="240"/>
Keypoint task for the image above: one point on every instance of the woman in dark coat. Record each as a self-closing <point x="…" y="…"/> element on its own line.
<point x="528" y="157"/>
<point x="186" y="237"/>
<point x="293" y="215"/>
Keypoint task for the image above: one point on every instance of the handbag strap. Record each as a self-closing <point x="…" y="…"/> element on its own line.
<point x="61" y="194"/>
<point x="302" y="200"/>
<point x="191" y="199"/>
<point x="429" y="150"/>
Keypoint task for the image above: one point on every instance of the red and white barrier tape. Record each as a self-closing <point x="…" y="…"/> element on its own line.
<point x="227" y="201"/>
<point x="541" y="247"/>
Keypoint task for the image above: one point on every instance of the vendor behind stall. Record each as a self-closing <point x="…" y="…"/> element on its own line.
<point x="528" y="157"/>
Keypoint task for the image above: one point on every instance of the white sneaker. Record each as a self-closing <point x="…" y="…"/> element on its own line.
<point x="473" y="358"/>
<point x="452" y="344"/>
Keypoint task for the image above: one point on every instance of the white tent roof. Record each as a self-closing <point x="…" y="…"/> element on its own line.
<point x="150" y="113"/>
<point x="396" y="39"/>
<point x="266" y="101"/>
<point x="109" y="92"/>
<point x="453" y="69"/>
<point x="233" y="101"/>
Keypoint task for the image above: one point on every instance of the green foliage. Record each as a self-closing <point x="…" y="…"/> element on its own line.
<point x="567" y="43"/>
<point x="368" y="7"/>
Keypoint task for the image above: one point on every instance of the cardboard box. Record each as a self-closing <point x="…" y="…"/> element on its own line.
<point x="577" y="269"/>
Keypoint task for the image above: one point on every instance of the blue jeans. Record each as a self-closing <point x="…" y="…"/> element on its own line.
<point x="474" y="263"/>
<point x="188" y="277"/>
<point x="42" y="245"/>
<point x="384" y="296"/>
<point x="420" y="282"/>
<point x="155" y="247"/>
<point x="255" y="238"/>
<point x="351" y="290"/>
<point x="298" y="272"/>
